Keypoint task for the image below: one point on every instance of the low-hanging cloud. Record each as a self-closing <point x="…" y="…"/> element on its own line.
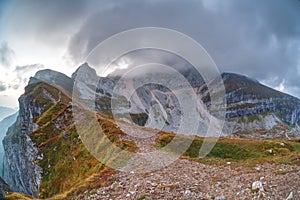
<point x="257" y="38"/>
<point x="21" y="74"/>
<point x="27" y="68"/>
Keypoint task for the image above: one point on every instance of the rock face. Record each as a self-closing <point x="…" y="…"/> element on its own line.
<point x="253" y="107"/>
<point x="57" y="79"/>
<point x="151" y="105"/>
<point x="253" y="110"/>
<point x="4" y="125"/>
<point x="20" y="169"/>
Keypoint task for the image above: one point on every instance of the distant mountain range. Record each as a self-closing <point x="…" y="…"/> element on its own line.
<point x="5" y="112"/>
<point x="4" y="125"/>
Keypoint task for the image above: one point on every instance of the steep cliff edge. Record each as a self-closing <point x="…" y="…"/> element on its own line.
<point x="255" y="110"/>
<point x="44" y="155"/>
<point x="20" y="151"/>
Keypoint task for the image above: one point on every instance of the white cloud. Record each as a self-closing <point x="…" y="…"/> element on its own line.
<point x="281" y="86"/>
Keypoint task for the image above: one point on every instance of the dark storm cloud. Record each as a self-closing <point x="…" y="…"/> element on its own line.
<point x="258" y="38"/>
<point x="6" y="54"/>
<point x="47" y="21"/>
<point x="129" y="14"/>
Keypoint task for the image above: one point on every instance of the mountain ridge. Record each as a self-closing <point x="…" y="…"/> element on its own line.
<point x="248" y="101"/>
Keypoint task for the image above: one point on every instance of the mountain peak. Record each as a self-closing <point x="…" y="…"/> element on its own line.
<point x="46" y="75"/>
<point x="53" y="78"/>
<point x="84" y="68"/>
<point x="237" y="77"/>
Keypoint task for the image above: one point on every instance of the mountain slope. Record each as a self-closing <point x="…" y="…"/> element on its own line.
<point x="253" y="110"/>
<point x="44" y="155"/>
<point x="259" y="111"/>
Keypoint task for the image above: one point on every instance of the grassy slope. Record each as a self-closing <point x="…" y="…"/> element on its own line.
<point x="242" y="152"/>
<point x="68" y="168"/>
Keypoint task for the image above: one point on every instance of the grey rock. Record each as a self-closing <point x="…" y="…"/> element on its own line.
<point x="251" y="106"/>
<point x="291" y="196"/>
<point x="21" y="170"/>
<point x="257" y="185"/>
<point x="4" y="188"/>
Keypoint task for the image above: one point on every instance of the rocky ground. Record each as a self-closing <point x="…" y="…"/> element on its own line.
<point x="186" y="179"/>
<point x="190" y="180"/>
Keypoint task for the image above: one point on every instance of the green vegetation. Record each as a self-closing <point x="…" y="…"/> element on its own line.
<point x="143" y="196"/>
<point x="241" y="151"/>
<point x="18" y="196"/>
<point x="68" y="168"/>
<point x="51" y="113"/>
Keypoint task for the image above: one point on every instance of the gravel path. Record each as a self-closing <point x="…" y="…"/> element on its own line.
<point x="190" y="180"/>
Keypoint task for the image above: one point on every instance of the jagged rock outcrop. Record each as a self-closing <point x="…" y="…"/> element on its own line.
<point x="21" y="171"/>
<point x="246" y="97"/>
<point x="251" y="107"/>
<point x="152" y="105"/>
<point x="54" y="78"/>
<point x="253" y="110"/>
<point x="44" y="154"/>
<point x="46" y="91"/>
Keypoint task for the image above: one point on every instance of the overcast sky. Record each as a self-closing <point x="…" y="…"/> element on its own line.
<point x="257" y="38"/>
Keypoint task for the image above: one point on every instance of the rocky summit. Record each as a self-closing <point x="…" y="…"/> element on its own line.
<point x="45" y="155"/>
<point x="253" y="109"/>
